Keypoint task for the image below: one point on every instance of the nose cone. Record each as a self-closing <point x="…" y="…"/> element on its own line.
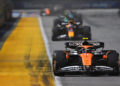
<point x="86" y="59"/>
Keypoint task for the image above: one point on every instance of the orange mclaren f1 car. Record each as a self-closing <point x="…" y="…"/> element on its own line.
<point x="87" y="57"/>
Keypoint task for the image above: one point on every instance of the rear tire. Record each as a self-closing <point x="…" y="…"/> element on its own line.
<point x="59" y="60"/>
<point x="113" y="59"/>
<point x="87" y="32"/>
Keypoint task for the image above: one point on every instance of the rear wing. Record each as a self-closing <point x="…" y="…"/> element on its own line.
<point x="74" y="45"/>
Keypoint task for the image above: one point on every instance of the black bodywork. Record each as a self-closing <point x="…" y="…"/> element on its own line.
<point x="60" y="32"/>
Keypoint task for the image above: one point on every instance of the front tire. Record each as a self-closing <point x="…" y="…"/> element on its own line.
<point x="54" y="34"/>
<point x="59" y="61"/>
<point x="113" y="59"/>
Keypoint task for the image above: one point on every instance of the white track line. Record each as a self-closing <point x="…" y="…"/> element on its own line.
<point x="57" y="79"/>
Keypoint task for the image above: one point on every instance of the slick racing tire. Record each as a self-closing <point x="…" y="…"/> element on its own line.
<point x="87" y="32"/>
<point x="56" y="21"/>
<point x="54" y="34"/>
<point x="113" y="59"/>
<point x="59" y="60"/>
<point x="54" y="38"/>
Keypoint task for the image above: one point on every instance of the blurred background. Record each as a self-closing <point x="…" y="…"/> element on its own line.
<point x="68" y="4"/>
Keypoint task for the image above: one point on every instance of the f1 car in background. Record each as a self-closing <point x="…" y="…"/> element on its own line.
<point x="6" y="7"/>
<point x="68" y="15"/>
<point x="87" y="57"/>
<point x="45" y="12"/>
<point x="66" y="28"/>
<point x="54" y="11"/>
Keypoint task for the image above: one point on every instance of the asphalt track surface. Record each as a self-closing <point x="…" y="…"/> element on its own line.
<point x="105" y="26"/>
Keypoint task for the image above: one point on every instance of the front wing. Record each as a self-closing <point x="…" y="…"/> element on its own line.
<point x="82" y="69"/>
<point x="65" y="37"/>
